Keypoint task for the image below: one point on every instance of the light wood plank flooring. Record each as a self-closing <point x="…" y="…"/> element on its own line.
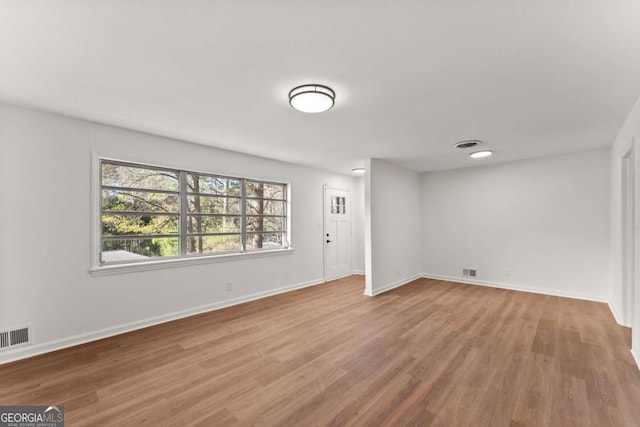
<point x="428" y="353"/>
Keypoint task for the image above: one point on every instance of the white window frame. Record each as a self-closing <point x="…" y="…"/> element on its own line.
<point x="99" y="268"/>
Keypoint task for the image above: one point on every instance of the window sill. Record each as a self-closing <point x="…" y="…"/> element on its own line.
<point x="108" y="270"/>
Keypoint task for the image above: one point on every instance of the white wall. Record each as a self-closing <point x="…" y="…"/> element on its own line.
<point x="392" y="226"/>
<point x="630" y="132"/>
<point x="358" y="226"/>
<point x="45" y="229"/>
<point x="546" y="220"/>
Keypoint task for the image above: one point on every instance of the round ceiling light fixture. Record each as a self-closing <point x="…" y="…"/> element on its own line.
<point x="358" y="171"/>
<point x="467" y="144"/>
<point x="481" y="154"/>
<point x="312" y="98"/>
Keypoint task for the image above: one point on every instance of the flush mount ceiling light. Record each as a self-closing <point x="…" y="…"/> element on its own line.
<point x="358" y="171"/>
<point x="467" y="144"/>
<point x="481" y="154"/>
<point x="312" y="98"/>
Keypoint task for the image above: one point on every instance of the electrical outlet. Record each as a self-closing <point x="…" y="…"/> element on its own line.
<point x="229" y="286"/>
<point x="507" y="272"/>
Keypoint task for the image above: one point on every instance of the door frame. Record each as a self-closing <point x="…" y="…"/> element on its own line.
<point x="325" y="188"/>
<point x="628" y="240"/>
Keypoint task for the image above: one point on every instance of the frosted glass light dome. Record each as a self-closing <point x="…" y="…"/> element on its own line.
<point x="312" y="98"/>
<point x="481" y="154"/>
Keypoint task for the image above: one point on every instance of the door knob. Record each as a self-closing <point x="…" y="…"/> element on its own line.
<point x="328" y="241"/>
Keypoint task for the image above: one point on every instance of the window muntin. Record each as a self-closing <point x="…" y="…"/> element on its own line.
<point x="149" y="213"/>
<point x="338" y="205"/>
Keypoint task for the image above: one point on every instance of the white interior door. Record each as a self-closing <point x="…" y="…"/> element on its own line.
<point x="337" y="233"/>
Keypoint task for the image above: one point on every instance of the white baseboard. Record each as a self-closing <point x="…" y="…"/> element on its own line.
<point x="46" y="347"/>
<point x="617" y="318"/>
<point x="339" y="277"/>
<point x="636" y="356"/>
<point x="392" y="285"/>
<point x="544" y="291"/>
<point x="358" y="272"/>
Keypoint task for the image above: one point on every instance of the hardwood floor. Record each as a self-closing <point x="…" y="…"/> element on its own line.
<point x="428" y="353"/>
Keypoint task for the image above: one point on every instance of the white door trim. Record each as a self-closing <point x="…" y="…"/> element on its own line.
<point x="628" y="230"/>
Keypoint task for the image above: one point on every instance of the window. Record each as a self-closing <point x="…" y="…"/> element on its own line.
<point x="338" y="205"/>
<point x="149" y="213"/>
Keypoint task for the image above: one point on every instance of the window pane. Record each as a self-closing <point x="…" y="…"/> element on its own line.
<point x="255" y="223"/>
<point x="118" y="225"/>
<point x="266" y="207"/>
<point x="266" y="190"/>
<point x="338" y="205"/>
<point x="213" y="224"/>
<point x="213" y="205"/>
<point x="208" y="184"/>
<point x="139" y="249"/>
<point x="115" y="175"/>
<point x="144" y="213"/>
<point x="264" y="241"/>
<point x="213" y="244"/>
<point x="139" y="201"/>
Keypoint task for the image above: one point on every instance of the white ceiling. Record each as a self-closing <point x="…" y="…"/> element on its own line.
<point x="530" y="78"/>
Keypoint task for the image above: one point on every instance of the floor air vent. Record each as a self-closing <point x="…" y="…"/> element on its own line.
<point x="14" y="337"/>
